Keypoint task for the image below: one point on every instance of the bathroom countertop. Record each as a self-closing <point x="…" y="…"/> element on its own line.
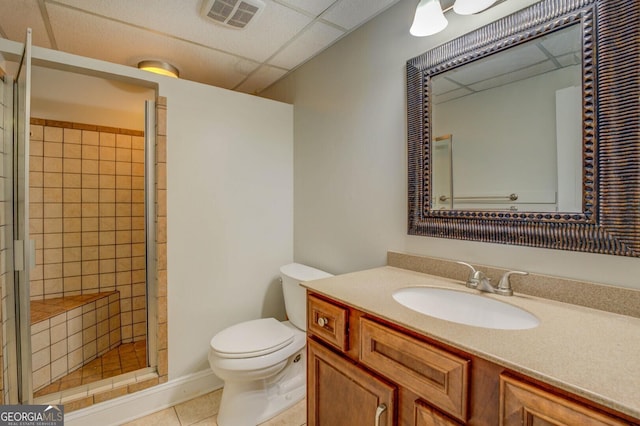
<point x="587" y="352"/>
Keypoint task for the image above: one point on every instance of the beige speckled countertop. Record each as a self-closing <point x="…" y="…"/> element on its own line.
<point x="591" y="353"/>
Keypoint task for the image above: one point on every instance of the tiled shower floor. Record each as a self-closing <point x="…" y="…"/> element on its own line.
<point x="123" y="359"/>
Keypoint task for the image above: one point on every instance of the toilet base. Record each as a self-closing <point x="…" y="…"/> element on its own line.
<point x="249" y="403"/>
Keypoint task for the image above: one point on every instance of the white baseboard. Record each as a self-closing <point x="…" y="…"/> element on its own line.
<point x="130" y="407"/>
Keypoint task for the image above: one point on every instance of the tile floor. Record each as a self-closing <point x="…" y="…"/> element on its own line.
<point x="123" y="359"/>
<point x="203" y="410"/>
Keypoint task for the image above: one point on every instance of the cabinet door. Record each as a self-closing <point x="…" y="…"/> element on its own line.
<point x="524" y="404"/>
<point x="342" y="394"/>
<point x="427" y="416"/>
<point x="437" y="376"/>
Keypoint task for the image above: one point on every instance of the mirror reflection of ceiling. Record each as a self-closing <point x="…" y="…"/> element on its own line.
<point x="551" y="52"/>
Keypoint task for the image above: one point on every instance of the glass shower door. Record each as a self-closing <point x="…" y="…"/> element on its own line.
<point x="24" y="249"/>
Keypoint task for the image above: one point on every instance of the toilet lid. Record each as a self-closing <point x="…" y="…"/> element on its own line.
<point x="252" y="338"/>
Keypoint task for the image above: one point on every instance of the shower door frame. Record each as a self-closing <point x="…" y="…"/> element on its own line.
<point x="23" y="248"/>
<point x="19" y="380"/>
<point x="150" y="145"/>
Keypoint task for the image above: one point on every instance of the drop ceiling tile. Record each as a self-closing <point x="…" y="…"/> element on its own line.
<point x="312" y="41"/>
<point x="504" y="62"/>
<point x="87" y="35"/>
<point x="518" y="75"/>
<point x="570" y="59"/>
<point x="440" y="85"/>
<point x="261" y="79"/>
<point x="351" y="13"/>
<point x="126" y="31"/>
<point x="564" y="41"/>
<point x="245" y="67"/>
<point x="453" y="94"/>
<point x="182" y="19"/>
<point x="17" y="16"/>
<point x="314" y="7"/>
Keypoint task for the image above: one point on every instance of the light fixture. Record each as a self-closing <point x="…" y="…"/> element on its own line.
<point x="469" y="7"/>
<point x="429" y="19"/>
<point x="159" y="67"/>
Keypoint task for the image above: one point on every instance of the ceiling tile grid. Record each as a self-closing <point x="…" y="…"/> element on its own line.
<point x="286" y="34"/>
<point x="261" y="79"/>
<point x="182" y="19"/>
<point x="351" y="14"/>
<point x="313" y="7"/>
<point x="90" y="36"/>
<point x="308" y="44"/>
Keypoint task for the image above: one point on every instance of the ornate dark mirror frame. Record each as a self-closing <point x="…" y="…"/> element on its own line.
<point x="610" y="219"/>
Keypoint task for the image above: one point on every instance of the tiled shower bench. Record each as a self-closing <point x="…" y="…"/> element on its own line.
<point x="67" y="332"/>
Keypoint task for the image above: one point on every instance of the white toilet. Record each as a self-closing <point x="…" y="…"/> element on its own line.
<point x="263" y="362"/>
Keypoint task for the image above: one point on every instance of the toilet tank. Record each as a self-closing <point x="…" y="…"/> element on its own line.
<point x="295" y="296"/>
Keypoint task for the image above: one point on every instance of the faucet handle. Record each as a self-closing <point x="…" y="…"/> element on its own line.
<point x="474" y="275"/>
<point x="504" y="286"/>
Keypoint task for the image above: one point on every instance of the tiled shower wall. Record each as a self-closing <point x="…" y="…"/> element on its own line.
<point x="143" y="380"/>
<point x="87" y="216"/>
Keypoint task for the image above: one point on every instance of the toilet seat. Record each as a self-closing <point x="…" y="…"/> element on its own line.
<point x="252" y="338"/>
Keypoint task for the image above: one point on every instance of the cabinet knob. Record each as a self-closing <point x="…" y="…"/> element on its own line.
<point x="381" y="409"/>
<point x="322" y="321"/>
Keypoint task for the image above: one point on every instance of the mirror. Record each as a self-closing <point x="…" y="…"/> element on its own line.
<point x="487" y="106"/>
<point x="525" y="131"/>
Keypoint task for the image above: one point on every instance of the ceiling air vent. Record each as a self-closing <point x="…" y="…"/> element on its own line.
<point x="232" y="13"/>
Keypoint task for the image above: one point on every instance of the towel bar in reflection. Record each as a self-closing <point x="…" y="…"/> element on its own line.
<point x="510" y="197"/>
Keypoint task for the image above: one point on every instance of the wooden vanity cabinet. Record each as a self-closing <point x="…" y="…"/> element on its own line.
<point x="359" y="364"/>
<point x="522" y="403"/>
<point x="358" y="367"/>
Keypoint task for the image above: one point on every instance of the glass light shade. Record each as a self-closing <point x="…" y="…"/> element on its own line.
<point x="159" y="67"/>
<point x="469" y="7"/>
<point x="428" y="19"/>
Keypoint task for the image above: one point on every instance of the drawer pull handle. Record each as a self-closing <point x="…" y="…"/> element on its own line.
<point x="322" y="321"/>
<point x="381" y="409"/>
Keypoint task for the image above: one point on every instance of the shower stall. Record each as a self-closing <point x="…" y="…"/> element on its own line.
<point x="79" y="231"/>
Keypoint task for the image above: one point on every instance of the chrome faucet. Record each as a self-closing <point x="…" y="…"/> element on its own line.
<point x="479" y="281"/>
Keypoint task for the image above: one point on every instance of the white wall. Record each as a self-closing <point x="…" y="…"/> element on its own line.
<point x="350" y="158"/>
<point x="230" y="203"/>
<point x="68" y="96"/>
<point x="230" y="212"/>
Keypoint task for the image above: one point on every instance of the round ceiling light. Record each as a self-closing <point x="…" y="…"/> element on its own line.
<point x="159" y="67"/>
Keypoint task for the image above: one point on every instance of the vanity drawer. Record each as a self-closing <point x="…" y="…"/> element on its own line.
<point x="437" y="376"/>
<point x="328" y="322"/>
<point x="523" y="403"/>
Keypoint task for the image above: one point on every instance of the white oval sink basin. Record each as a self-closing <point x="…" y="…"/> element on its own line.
<point x="465" y="308"/>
